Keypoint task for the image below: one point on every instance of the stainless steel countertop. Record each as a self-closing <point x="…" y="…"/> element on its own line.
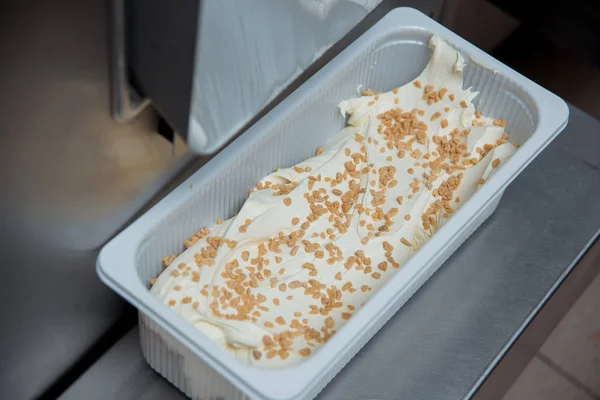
<point x="453" y="331"/>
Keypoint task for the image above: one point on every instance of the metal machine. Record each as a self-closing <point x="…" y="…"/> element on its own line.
<point x="174" y="77"/>
<point x="222" y="61"/>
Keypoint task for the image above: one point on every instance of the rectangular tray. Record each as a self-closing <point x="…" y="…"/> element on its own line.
<point x="391" y="53"/>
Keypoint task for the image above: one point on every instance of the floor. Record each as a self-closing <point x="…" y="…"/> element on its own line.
<point x="560" y="359"/>
<point x="568" y="364"/>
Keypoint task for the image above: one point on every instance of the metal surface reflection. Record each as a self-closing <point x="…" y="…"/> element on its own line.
<point x="71" y="177"/>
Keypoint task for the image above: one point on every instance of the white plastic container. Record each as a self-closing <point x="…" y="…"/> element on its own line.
<point x="390" y="54"/>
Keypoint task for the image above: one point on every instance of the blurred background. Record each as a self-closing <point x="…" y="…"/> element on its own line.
<point x="72" y="178"/>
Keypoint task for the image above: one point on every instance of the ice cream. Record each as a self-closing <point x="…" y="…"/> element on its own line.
<point x="314" y="242"/>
